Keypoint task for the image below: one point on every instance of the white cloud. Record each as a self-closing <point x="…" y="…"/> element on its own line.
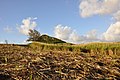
<point x="94" y="7"/>
<point x="103" y="7"/>
<point x="2" y="42"/>
<point x="62" y="32"/>
<point x="116" y="16"/>
<point x="8" y="29"/>
<point x="74" y="37"/>
<point x="27" y="24"/>
<point x="92" y="35"/>
<point x="68" y="34"/>
<point x="112" y="33"/>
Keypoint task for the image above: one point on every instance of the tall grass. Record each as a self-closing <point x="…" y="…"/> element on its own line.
<point x="107" y="48"/>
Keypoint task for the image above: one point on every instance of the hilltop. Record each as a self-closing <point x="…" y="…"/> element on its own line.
<point x="34" y="35"/>
<point x="42" y="61"/>
<point x="50" y="40"/>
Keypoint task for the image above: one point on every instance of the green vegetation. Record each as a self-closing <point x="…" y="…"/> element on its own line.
<point x="34" y="35"/>
<point x="50" y="40"/>
<point x="101" y="48"/>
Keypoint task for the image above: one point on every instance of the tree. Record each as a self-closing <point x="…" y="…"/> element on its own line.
<point x="6" y="41"/>
<point x="34" y="35"/>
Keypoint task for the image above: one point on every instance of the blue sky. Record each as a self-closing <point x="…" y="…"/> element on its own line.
<point x="49" y="14"/>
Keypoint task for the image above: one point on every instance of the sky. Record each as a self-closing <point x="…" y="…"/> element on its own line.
<point x="76" y="21"/>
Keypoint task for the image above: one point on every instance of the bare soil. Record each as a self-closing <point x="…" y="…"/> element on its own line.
<point x="24" y="63"/>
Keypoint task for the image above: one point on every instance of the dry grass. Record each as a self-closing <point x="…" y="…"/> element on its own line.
<point x="102" y="48"/>
<point x="59" y="62"/>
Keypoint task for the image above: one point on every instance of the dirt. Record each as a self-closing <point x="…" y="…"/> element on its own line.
<point x="23" y="63"/>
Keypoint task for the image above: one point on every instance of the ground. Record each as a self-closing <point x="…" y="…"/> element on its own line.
<point x="24" y="63"/>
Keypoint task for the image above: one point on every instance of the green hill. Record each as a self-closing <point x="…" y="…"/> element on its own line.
<point x="34" y="35"/>
<point x="49" y="39"/>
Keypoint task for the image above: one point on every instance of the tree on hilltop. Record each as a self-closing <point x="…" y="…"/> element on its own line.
<point x="34" y="35"/>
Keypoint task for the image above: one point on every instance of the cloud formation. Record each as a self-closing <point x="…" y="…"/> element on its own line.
<point x="1" y="42"/>
<point x="66" y="33"/>
<point x="113" y="32"/>
<point x="27" y="24"/>
<point x="116" y="16"/>
<point x="8" y="29"/>
<point x="62" y="32"/>
<point x="102" y="7"/>
<point x="94" y="7"/>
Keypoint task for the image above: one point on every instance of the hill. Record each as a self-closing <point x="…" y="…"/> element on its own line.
<point x="41" y="61"/>
<point x="49" y="39"/>
<point x="34" y="35"/>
